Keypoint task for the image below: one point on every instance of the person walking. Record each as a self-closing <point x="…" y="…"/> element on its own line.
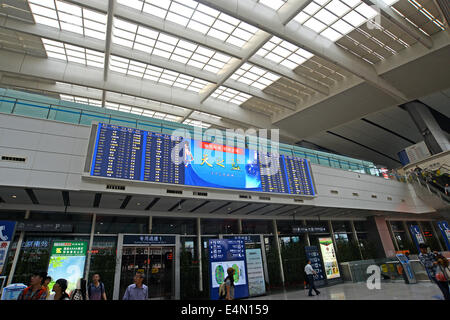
<point x="447" y="189"/>
<point x="36" y="290"/>
<point x="79" y="293"/>
<point x="138" y="290"/>
<point x="429" y="261"/>
<point x="310" y="273"/>
<point x="96" y="289"/>
<point x="59" y="289"/>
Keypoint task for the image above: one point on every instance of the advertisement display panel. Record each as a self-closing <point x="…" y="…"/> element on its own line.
<point x="312" y="253"/>
<point x="329" y="258"/>
<point x="223" y="254"/>
<point x="255" y="272"/>
<point x="67" y="261"/>
<point x="6" y="236"/>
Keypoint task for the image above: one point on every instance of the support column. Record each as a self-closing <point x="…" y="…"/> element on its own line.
<point x="199" y="253"/>
<point x="330" y="226"/>
<point x="239" y="226"/>
<point x="91" y="242"/>
<point x="392" y="234"/>
<point x="150" y="224"/>
<point x="384" y="232"/>
<point x="407" y="232"/>
<point x="277" y="244"/>
<point x="17" y="253"/>
<point x="436" y="236"/>
<point x="435" y="138"/>
<point x="306" y="234"/>
<point x="355" y="236"/>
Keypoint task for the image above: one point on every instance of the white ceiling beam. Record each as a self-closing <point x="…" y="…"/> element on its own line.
<point x="109" y="28"/>
<point x="268" y="20"/>
<point x="154" y="22"/>
<point x="57" y="70"/>
<point x="400" y="22"/>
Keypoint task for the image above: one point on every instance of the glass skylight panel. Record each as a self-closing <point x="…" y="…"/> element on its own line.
<point x="167" y="46"/>
<point x="67" y="52"/>
<point x="254" y="76"/>
<point x="141" y="111"/>
<point x="196" y="123"/>
<point x="284" y="53"/>
<point x="160" y="75"/>
<point x="206" y="115"/>
<point x="335" y="18"/>
<point x="230" y="95"/>
<point x="89" y="101"/>
<point x="274" y="4"/>
<point x="69" y="17"/>
<point x="198" y="17"/>
<point x="427" y="14"/>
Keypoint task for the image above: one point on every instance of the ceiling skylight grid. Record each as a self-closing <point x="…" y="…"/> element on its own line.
<point x="142" y="112"/>
<point x="273" y="4"/>
<point x="198" y="17"/>
<point x="156" y="74"/>
<point x="156" y="43"/>
<point x="69" y="17"/>
<point x="196" y="123"/>
<point x="254" y="76"/>
<point x="335" y="18"/>
<point x="230" y="95"/>
<point x="82" y="100"/>
<point x="70" y="53"/>
<point x="284" y="53"/>
<point x="198" y="113"/>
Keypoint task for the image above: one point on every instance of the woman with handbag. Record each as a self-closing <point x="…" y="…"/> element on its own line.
<point x="443" y="275"/>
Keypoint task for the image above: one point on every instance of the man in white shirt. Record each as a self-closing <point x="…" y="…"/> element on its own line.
<point x="310" y="272"/>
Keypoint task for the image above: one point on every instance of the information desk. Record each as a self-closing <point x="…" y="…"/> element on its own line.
<point x="134" y="154"/>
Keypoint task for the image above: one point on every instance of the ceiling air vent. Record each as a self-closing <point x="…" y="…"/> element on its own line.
<point x="334" y="191"/>
<point x="264" y="198"/>
<point x="15" y="159"/>
<point x="201" y="194"/>
<point x="174" y="191"/>
<point x="374" y="196"/>
<point x="112" y="187"/>
<point x="355" y="194"/>
<point x="298" y="200"/>
<point x="389" y="198"/>
<point x="241" y="196"/>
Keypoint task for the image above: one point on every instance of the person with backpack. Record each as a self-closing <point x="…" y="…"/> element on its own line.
<point x="80" y="292"/>
<point x="59" y="289"/>
<point x="226" y="288"/>
<point x="96" y="289"/>
<point x="36" y="290"/>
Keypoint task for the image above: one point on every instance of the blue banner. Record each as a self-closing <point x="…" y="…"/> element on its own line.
<point x="223" y="254"/>
<point x="417" y="236"/>
<point x="445" y="230"/>
<point x="6" y="236"/>
<point x="312" y="253"/>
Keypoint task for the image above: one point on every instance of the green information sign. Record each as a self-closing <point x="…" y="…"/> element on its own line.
<point x="67" y="262"/>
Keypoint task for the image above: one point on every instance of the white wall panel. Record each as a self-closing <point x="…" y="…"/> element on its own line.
<point x="56" y="161"/>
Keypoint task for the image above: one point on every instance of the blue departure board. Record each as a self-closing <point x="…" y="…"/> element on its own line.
<point x="133" y="154"/>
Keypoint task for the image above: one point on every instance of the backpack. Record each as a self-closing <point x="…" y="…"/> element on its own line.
<point x="36" y="296"/>
<point x="101" y="287"/>
<point x="223" y="289"/>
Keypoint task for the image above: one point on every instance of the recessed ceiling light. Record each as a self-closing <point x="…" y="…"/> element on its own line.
<point x="13" y="196"/>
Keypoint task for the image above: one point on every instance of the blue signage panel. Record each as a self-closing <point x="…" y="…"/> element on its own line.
<point x="417" y="236"/>
<point x="445" y="230"/>
<point x="6" y="236"/>
<point x="223" y="254"/>
<point x="404" y="261"/>
<point x="128" y="153"/>
<point x="313" y="254"/>
<point x="147" y="239"/>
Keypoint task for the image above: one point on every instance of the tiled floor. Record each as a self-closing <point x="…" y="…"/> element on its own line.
<point x="359" y="291"/>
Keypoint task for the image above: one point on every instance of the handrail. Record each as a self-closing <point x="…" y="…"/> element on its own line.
<point x="84" y="115"/>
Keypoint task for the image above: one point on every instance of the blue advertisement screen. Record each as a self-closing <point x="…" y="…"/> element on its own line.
<point x="134" y="154"/>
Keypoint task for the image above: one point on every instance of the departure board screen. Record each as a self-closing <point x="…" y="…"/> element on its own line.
<point x="134" y="154"/>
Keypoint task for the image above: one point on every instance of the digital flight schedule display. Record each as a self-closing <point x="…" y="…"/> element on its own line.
<point x="134" y="154"/>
